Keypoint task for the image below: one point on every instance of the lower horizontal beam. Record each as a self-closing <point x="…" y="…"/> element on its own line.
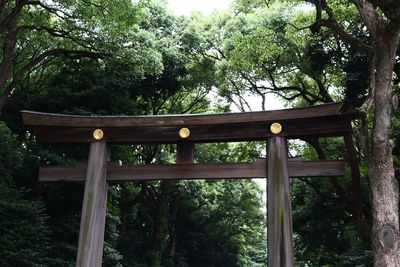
<point x="255" y="169"/>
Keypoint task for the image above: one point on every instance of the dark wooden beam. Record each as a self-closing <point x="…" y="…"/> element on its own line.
<point x="279" y="208"/>
<point x="50" y="119"/>
<point x="328" y="126"/>
<point x="256" y="169"/>
<point x="323" y="120"/>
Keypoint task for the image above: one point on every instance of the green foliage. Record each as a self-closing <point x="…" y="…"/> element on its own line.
<point x="324" y="232"/>
<point x="218" y="223"/>
<point x="24" y="233"/>
<point x="156" y="63"/>
<point x="155" y="223"/>
<point x="356" y="81"/>
<point x="10" y="155"/>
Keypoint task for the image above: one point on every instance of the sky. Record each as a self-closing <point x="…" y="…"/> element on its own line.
<point x="186" y="7"/>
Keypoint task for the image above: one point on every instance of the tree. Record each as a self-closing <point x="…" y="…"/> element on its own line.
<point x="381" y="18"/>
<point x="25" y="235"/>
<point x="10" y="157"/>
<point x="290" y="65"/>
<point x="34" y="33"/>
<point x="318" y="208"/>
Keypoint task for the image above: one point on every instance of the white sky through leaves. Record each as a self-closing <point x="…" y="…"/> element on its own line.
<point x="206" y="7"/>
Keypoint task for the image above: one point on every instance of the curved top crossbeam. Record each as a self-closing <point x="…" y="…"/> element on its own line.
<point x="322" y="120"/>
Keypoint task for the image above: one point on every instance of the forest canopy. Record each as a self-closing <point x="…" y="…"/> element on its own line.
<point x="103" y="57"/>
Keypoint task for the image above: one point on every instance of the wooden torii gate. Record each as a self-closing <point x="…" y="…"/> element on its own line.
<point x="186" y="130"/>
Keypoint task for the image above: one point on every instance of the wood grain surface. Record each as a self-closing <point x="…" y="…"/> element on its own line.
<point x="91" y="233"/>
<point x="279" y="208"/>
<point x="256" y="169"/>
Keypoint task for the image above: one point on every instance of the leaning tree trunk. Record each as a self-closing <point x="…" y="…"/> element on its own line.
<point x="3" y="100"/>
<point x="384" y="186"/>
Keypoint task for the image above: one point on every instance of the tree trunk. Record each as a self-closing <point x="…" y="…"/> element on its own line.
<point x="171" y="251"/>
<point x="126" y="209"/>
<point x="384" y="186"/>
<point x="9" y="33"/>
<point x="3" y="100"/>
<point x="159" y="225"/>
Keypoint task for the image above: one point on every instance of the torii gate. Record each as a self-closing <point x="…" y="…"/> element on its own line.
<point x="186" y="130"/>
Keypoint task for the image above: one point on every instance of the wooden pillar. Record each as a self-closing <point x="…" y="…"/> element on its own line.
<point x="185" y="152"/>
<point x="279" y="212"/>
<point x="91" y="233"/>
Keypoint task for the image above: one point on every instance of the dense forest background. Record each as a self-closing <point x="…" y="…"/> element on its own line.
<point x="138" y="58"/>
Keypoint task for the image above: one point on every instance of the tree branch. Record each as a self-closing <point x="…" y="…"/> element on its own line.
<point x="18" y="76"/>
<point x="391" y="8"/>
<point x="13" y="16"/>
<point x="338" y="29"/>
<point x="10" y="41"/>
<point x="369" y="17"/>
<point x="56" y="33"/>
<point x="56" y="11"/>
